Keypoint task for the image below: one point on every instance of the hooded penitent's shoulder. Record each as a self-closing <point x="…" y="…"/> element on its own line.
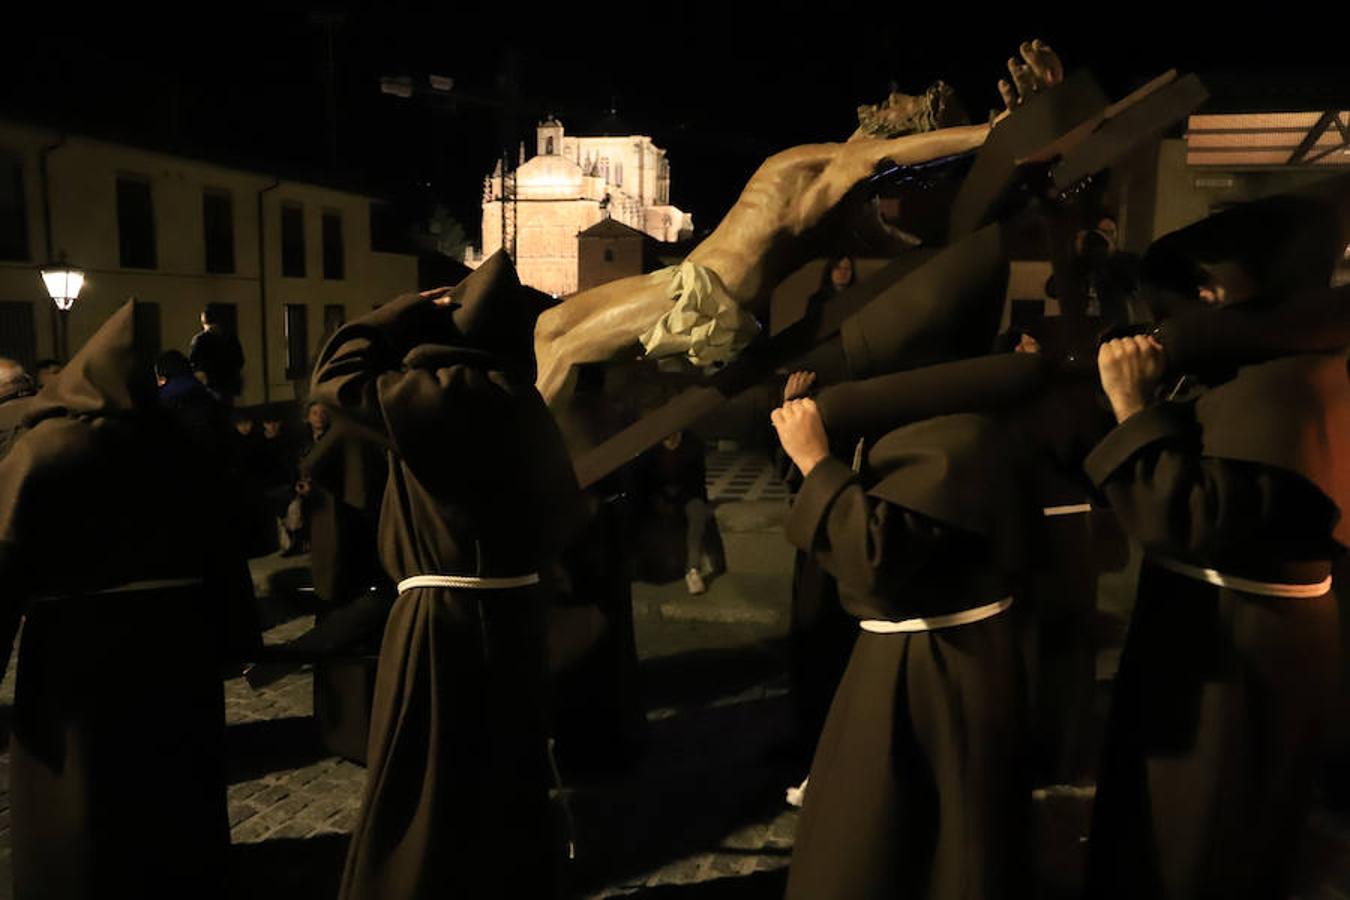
<point x="1291" y="413"/>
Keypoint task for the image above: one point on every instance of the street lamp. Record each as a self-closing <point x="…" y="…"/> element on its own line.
<point x="63" y="283"/>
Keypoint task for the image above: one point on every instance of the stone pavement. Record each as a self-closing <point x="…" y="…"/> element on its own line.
<point x="699" y="815"/>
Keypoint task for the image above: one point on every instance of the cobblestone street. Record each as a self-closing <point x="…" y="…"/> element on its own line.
<point x="700" y="815"/>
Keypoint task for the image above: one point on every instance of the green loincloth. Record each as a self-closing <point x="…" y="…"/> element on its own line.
<point x="704" y="323"/>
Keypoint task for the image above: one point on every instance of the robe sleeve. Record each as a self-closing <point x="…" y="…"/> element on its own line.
<point x="1202" y="509"/>
<point x="869" y="545"/>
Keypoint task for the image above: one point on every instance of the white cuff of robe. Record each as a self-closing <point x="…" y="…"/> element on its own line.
<point x="1246" y="585"/>
<point x="468" y="582"/>
<point x="932" y="623"/>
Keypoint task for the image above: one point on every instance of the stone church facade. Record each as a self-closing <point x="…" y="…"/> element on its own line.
<point x="570" y="184"/>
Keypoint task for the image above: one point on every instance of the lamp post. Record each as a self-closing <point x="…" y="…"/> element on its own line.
<point x="63" y="283"/>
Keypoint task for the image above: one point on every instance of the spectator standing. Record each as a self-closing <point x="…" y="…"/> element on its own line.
<point x="217" y="357"/>
<point x="196" y="410"/>
<point x="296" y="520"/>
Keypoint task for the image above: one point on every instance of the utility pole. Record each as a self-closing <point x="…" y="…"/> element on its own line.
<point x="508" y="197"/>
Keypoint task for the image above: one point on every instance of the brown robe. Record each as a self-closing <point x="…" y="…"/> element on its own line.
<point x="115" y="543"/>
<point x="1222" y="695"/>
<point x="821" y="633"/>
<point x="917" y="787"/>
<point x="91" y="449"/>
<point x="456" y="801"/>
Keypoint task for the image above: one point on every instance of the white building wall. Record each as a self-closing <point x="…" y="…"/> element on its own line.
<point x="83" y="191"/>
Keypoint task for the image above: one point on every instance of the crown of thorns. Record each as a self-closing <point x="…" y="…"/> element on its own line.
<point x="938" y="108"/>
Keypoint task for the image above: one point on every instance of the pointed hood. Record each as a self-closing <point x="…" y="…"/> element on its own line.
<point x="109" y="375"/>
<point x="960" y="470"/>
<point x="1288" y="244"/>
<point x="491" y="312"/>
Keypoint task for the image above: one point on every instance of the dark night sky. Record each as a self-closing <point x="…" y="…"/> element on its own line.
<point x="720" y="86"/>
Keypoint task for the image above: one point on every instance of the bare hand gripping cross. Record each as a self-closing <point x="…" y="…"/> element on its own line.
<point x="699" y="307"/>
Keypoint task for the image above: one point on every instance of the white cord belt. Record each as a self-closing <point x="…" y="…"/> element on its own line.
<point x="1247" y="585"/>
<point x="931" y="623"/>
<point x="469" y="582"/>
<point x="1075" y="509"/>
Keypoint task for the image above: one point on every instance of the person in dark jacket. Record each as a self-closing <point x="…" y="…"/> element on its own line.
<point x="674" y="481"/>
<point x="201" y="416"/>
<point x="217" y="357"/>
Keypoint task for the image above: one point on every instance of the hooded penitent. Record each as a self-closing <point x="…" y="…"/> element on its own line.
<point x="1236" y="490"/>
<point x="1285" y="244"/>
<point x="1276" y="363"/>
<point x="77" y="455"/>
<point x="480" y="497"/>
<point x="98" y="487"/>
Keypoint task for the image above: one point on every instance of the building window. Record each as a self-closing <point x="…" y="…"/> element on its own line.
<point x="618" y="174"/>
<point x="604" y="168"/>
<point x="334" y="260"/>
<point x="334" y="317"/>
<point x="609" y="254"/>
<point x="548" y="146"/>
<point x="13" y="210"/>
<point x="297" y="340"/>
<point x="147" y="326"/>
<point x="292" y="240"/>
<point x="218" y="229"/>
<point x="135" y="223"/>
<point x="18" y="339"/>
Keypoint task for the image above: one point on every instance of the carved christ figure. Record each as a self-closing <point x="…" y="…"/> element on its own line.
<point x="700" y="308"/>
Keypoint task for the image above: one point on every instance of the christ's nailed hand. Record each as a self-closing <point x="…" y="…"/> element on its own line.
<point x="1040" y="68"/>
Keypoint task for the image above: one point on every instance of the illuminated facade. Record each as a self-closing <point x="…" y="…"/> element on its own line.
<point x="569" y="185"/>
